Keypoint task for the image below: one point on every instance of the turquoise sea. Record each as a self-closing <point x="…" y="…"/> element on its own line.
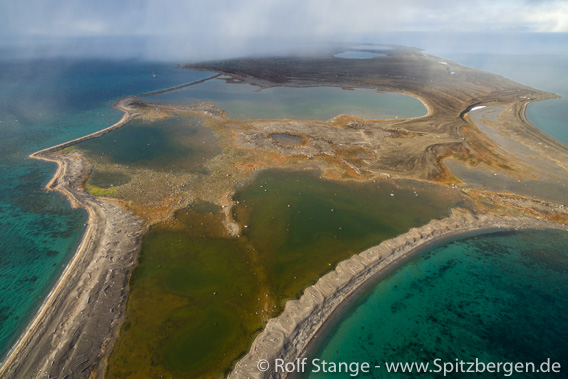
<point x="42" y="103"/>
<point x="48" y="101"/>
<point x="510" y="304"/>
<point x="498" y="297"/>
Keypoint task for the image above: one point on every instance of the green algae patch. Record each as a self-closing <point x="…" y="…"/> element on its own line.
<point x="194" y="301"/>
<point x="217" y="330"/>
<point x="98" y="191"/>
<point x="303" y="226"/>
<point x="198" y="296"/>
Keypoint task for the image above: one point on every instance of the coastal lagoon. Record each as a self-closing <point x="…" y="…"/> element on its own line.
<point x="245" y="101"/>
<point x="49" y="102"/>
<point x="178" y="144"/>
<point x="419" y="313"/>
<point x="44" y="102"/>
<point x="199" y="293"/>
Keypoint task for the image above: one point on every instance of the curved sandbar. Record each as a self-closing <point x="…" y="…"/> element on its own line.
<point x="71" y="333"/>
<point x="288" y="335"/>
<point x="76" y="322"/>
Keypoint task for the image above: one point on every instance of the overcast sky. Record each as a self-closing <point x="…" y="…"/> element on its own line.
<point x="232" y="24"/>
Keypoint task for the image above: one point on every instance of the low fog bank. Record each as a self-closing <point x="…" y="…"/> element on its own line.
<point x="524" y="57"/>
<point x="193" y="48"/>
<point x="175" y="49"/>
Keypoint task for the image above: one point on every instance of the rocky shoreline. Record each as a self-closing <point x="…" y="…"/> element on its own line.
<point x="289" y="335"/>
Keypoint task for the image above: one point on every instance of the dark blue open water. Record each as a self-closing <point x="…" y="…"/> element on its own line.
<point x="497" y="297"/>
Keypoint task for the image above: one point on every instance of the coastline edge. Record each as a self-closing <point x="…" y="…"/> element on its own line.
<point x="290" y="334"/>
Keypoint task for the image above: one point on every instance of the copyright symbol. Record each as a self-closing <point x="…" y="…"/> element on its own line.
<point x="263" y="365"/>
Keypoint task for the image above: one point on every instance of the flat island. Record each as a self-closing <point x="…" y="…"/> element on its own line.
<point x="206" y="228"/>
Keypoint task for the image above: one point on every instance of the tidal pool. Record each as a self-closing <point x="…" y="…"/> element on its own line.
<point x="198" y="297"/>
<point x="244" y="101"/>
<point x="287" y="139"/>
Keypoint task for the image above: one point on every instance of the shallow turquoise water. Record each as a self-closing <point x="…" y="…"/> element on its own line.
<point x="499" y="297"/>
<point x="42" y="103"/>
<point x="244" y="101"/>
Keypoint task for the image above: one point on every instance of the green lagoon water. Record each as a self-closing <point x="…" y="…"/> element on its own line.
<point x="498" y="297"/>
<point x="48" y="101"/>
<point x="44" y="102"/>
<point x="244" y="101"/>
<point x="303" y="225"/>
<point x="171" y="144"/>
<point x="198" y="293"/>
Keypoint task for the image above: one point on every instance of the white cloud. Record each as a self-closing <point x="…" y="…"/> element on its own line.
<point x="225" y="27"/>
<point x="270" y="17"/>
